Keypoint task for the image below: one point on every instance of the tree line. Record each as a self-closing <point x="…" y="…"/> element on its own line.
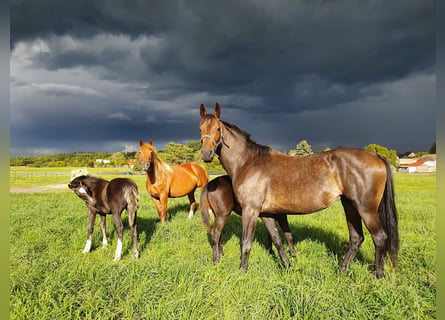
<point x="174" y="153"/>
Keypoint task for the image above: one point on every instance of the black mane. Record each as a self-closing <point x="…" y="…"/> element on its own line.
<point x="252" y="146"/>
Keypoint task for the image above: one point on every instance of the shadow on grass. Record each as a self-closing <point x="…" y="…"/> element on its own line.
<point x="146" y="226"/>
<point x="335" y="245"/>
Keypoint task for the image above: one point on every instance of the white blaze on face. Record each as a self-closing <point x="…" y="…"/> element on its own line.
<point x="118" y="253"/>
<point x="82" y="190"/>
<point x="87" y="247"/>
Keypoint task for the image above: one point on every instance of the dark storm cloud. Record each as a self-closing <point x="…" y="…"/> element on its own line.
<point x="261" y="60"/>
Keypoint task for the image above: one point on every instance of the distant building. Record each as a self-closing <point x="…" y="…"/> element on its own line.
<point x="424" y="164"/>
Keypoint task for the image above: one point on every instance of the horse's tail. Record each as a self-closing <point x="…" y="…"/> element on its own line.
<point x="205" y="208"/>
<point x="203" y="176"/>
<point x="388" y="215"/>
<point x="131" y="195"/>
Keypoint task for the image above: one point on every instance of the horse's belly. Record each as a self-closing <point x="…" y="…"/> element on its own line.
<point x="181" y="188"/>
<point x="299" y="203"/>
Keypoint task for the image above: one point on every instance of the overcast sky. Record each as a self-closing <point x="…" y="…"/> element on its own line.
<point x="100" y="75"/>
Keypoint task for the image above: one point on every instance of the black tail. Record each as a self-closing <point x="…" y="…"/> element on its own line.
<point x="388" y="216"/>
<point x="204" y="208"/>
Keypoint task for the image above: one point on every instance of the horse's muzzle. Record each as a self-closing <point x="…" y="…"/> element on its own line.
<point x="146" y="166"/>
<point x="207" y="155"/>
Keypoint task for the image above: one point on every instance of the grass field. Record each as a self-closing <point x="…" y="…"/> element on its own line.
<point x="175" y="277"/>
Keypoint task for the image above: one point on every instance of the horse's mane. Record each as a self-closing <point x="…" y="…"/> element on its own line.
<point x="252" y="146"/>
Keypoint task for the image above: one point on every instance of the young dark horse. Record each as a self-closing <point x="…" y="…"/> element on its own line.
<point x="217" y="197"/>
<point x="109" y="197"/>
<point x="165" y="182"/>
<point x="271" y="182"/>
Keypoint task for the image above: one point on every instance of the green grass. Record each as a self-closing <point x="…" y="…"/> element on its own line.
<point x="175" y="277"/>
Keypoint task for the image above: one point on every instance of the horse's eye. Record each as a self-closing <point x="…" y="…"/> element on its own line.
<point x="219" y="129"/>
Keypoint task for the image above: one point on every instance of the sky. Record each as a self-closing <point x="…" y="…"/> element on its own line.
<point x="100" y="75"/>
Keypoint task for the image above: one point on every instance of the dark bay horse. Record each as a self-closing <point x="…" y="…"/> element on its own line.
<point x="217" y="197"/>
<point x="268" y="181"/>
<point x="109" y="197"/>
<point x="164" y="181"/>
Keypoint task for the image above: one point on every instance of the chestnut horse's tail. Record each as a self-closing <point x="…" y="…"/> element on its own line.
<point x="205" y="208"/>
<point x="388" y="215"/>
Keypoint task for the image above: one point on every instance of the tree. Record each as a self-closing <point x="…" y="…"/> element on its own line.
<point x="177" y="153"/>
<point x="391" y="155"/>
<point x="433" y="148"/>
<point x="194" y="145"/>
<point x="118" y="159"/>
<point x="302" y="148"/>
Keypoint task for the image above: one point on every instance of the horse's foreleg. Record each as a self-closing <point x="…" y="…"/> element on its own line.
<point x="271" y="227"/>
<point x="120" y="234"/>
<point x="249" y="218"/>
<point x="192" y="204"/>
<point x="163" y="207"/>
<point x="157" y="203"/>
<point x="284" y="224"/>
<point x="103" y="228"/>
<point x="91" y="220"/>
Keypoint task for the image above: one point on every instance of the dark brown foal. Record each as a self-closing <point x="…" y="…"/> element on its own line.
<point x="217" y="197"/>
<point x="109" y="197"/>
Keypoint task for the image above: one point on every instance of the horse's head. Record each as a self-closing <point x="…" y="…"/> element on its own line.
<point x="211" y="136"/>
<point x="79" y="186"/>
<point x="146" y="154"/>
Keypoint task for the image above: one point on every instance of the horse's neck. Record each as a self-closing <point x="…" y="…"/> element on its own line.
<point x="160" y="170"/>
<point x="233" y="155"/>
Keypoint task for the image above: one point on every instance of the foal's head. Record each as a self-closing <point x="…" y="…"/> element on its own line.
<point x="211" y="136"/>
<point x="146" y="154"/>
<point x="80" y="188"/>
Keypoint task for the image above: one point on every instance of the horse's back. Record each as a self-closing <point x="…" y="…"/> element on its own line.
<point x="286" y="181"/>
<point x="122" y="192"/>
<point x="220" y="194"/>
<point x="186" y="178"/>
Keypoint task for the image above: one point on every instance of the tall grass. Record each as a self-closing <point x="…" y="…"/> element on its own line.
<point x="175" y="277"/>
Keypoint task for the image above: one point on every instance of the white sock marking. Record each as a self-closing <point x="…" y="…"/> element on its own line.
<point x="191" y="213"/>
<point x="104" y="242"/>
<point x="87" y="247"/>
<point x="117" y="256"/>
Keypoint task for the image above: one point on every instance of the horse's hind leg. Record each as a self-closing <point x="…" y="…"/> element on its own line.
<point x="120" y="233"/>
<point x="271" y="227"/>
<point x="284" y="224"/>
<point x="132" y="215"/>
<point x="355" y="232"/>
<point x="372" y="222"/>
<point x="192" y="204"/>
<point x="103" y="228"/>
<point x="218" y="226"/>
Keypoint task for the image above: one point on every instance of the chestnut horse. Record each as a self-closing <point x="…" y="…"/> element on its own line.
<point x="164" y="181"/>
<point x="267" y="181"/>
<point x="217" y="197"/>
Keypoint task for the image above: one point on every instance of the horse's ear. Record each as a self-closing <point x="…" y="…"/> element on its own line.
<point x="141" y="143"/>
<point x="217" y="111"/>
<point x="202" y="111"/>
<point x="150" y="142"/>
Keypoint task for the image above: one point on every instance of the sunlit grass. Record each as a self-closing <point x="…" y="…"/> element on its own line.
<point x="175" y="277"/>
